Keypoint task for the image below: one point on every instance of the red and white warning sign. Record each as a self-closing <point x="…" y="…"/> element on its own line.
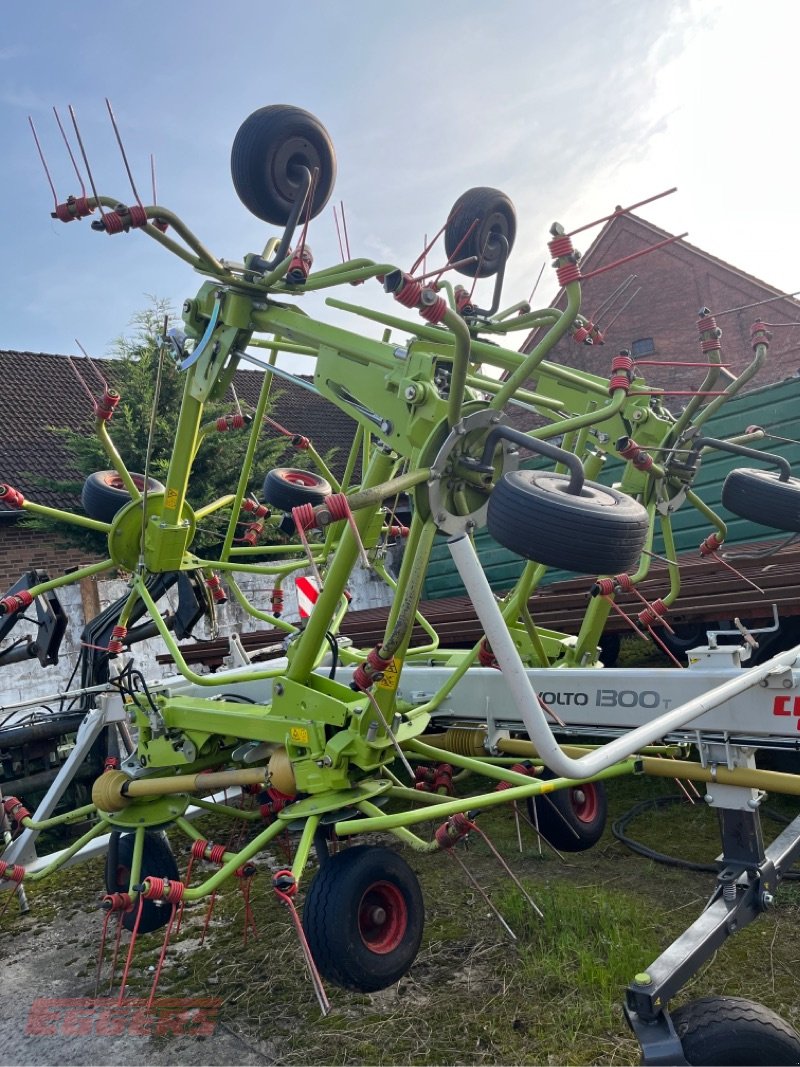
<point x="307" y="594"/>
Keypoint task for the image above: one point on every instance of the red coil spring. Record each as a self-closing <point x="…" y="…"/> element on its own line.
<point x="621" y="372"/>
<point x="247" y="870"/>
<point x="15" y="602"/>
<point x="569" y="272"/>
<point x="713" y="345"/>
<point x="371" y="670"/>
<point x="651" y="615"/>
<point x="138" y="216"/>
<point x="72" y="208"/>
<point x="110" y="763"/>
<point x="275" y="801"/>
<point x="161" y="225"/>
<point x="521" y="768"/>
<point x="163" y="889"/>
<point x="337" y="506"/>
<point x="624" y="582"/>
<point x="116" y="902"/>
<point x="15" y="809"/>
<point x="711" y="544"/>
<point x="456" y="827"/>
<point x="486" y="657"/>
<point x="604" y="587"/>
<point x="398" y="531"/>
<point x="13" y="872"/>
<point x="118" y="634"/>
<point x="640" y="459"/>
<point x="464" y="305"/>
<point x="261" y="511"/>
<point x="276" y="600"/>
<point x="435" y="311"/>
<point x="215" y="587"/>
<point x="560" y="246"/>
<point x="305" y="517"/>
<point x="597" y="338"/>
<point x="112" y="221"/>
<point x="581" y="334"/>
<point x="104" y="407"/>
<point x="216" y="853"/>
<point x="302" y="444"/>
<point x="253" y="532"/>
<point x="707" y="322"/>
<point x="410" y="293"/>
<point x="284" y="882"/>
<point x="13" y="498"/>
<point x="760" y="328"/>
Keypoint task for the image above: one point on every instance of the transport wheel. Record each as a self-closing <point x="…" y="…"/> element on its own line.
<point x="104" y="493"/>
<point x="363" y="918"/>
<point x="157" y="860"/>
<point x="599" y="531"/>
<point x="571" y="819"/>
<point x="761" y="497"/>
<point x="286" y="488"/>
<point x="268" y="151"/>
<point x="496" y="217"/>
<point x="734" y="1031"/>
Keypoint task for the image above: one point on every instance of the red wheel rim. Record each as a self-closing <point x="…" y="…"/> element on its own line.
<point x="113" y="481"/>
<point x="382" y="917"/>
<point x="585" y="802"/>
<point x="299" y="478"/>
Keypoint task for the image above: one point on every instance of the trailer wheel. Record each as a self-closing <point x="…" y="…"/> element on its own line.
<point x="286" y="488"/>
<point x="599" y="531"/>
<point x="734" y="1031"/>
<point x="104" y="493"/>
<point x="571" y="819"/>
<point x="761" y="497"/>
<point x="495" y="217"/>
<point x="157" y="860"/>
<point x="268" y="151"/>
<point x="363" y="918"/>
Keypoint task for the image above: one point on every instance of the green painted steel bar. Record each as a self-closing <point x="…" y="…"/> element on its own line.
<point x="551" y="338"/>
<point x="400" y="832"/>
<point x="411" y="579"/>
<point x="419" y="650"/>
<point x="215" y="505"/>
<point x="229" y="867"/>
<point x="73" y="576"/>
<point x="323" y="467"/>
<point x="534" y="787"/>
<point x="255" y="568"/>
<point x="66" y="516"/>
<point x="304" y="847"/>
<point x="207" y="680"/>
<point x="313" y="637"/>
<point x="244" y="477"/>
<point x="672" y="561"/>
<point x="749" y="372"/>
<point x="589" y="418"/>
<point x="708" y="512"/>
<point x="291" y="323"/>
<point x="416" y="796"/>
<point x="370" y="496"/>
<point x="522" y="397"/>
<point x="282" y="346"/>
<point x="117" y="462"/>
<point x="468" y="763"/>
<point x="357" y="274"/>
<point x="458" y="375"/>
<point x="255" y="550"/>
<point x="59" y="820"/>
<point x="226" y="810"/>
<point x="183" y="448"/>
<point x="338" y="268"/>
<point x="67" y="853"/>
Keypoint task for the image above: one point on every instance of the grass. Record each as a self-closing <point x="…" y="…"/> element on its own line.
<point x="474" y="996"/>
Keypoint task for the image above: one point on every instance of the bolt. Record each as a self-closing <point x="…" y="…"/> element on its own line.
<point x="187" y="306"/>
<point x="410" y="393"/>
<point x="278" y="690"/>
<point x="709" y="799"/>
<point x="642" y="979"/>
<point x="767" y="900"/>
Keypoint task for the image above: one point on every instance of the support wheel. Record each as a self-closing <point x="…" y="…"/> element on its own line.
<point x="495" y="217"/>
<point x="104" y="493"/>
<point x="734" y="1031"/>
<point x="761" y="497"/>
<point x="599" y="531"/>
<point x="363" y="918"/>
<point x="157" y="860"/>
<point x="573" y="820"/>
<point x="269" y="150"/>
<point x="286" y="488"/>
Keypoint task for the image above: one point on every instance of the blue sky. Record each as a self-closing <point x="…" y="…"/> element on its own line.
<point x="570" y="108"/>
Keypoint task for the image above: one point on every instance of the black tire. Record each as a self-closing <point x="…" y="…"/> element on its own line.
<point x="268" y="150"/>
<point x="734" y="1031"/>
<point x="600" y="531"/>
<point x="761" y="497"/>
<point x="496" y="217"/>
<point x="363" y="918"/>
<point x="287" y="487"/>
<point x="157" y="860"/>
<point x="571" y="819"/>
<point x="104" y="493"/>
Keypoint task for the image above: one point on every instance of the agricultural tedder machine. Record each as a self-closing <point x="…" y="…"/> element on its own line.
<point x="338" y="741"/>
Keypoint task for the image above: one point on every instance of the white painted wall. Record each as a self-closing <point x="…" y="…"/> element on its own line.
<point x="22" y="681"/>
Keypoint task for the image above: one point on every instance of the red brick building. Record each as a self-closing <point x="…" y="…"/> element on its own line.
<point x="671" y="285"/>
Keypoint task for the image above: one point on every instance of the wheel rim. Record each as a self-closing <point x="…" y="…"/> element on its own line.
<point x="113" y="481"/>
<point x="382" y="917"/>
<point x="299" y="478"/>
<point x="585" y="802"/>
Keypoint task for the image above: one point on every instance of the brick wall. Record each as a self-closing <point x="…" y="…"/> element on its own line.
<point x="23" y="549"/>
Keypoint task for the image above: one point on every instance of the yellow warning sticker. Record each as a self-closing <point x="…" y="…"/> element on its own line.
<point x="172" y="499"/>
<point x="391" y="675"/>
<point x="299" y="734"/>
